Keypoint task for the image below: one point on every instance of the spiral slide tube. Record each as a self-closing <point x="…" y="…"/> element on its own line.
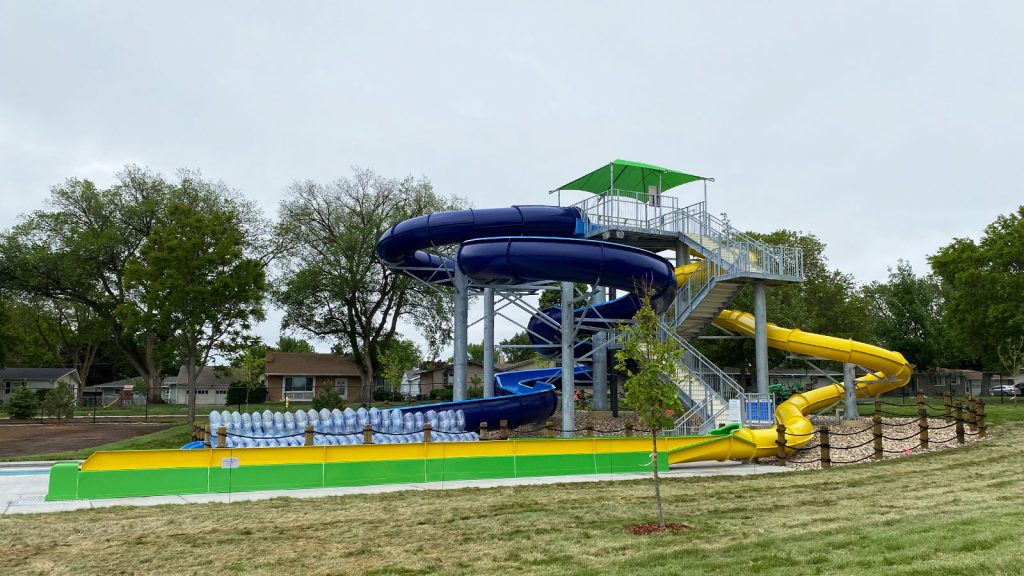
<point x="520" y="245"/>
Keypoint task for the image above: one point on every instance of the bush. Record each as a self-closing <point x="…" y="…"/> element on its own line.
<point x="22" y="404"/>
<point x="475" y="392"/>
<point x="242" y="393"/>
<point x="327" y="398"/>
<point x="59" y="402"/>
<point x="441" y="394"/>
<point x="385" y="395"/>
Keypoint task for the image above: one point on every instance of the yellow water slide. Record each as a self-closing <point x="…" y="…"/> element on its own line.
<point x="889" y="371"/>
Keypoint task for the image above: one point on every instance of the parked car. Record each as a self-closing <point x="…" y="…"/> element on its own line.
<point x="1020" y="389"/>
<point x="1004" y="390"/>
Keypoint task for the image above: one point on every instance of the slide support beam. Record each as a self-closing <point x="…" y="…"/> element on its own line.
<point x="568" y="362"/>
<point x="599" y="368"/>
<point x="488" y="342"/>
<point x="850" y="395"/>
<point x="761" y="337"/>
<point x="461" y="284"/>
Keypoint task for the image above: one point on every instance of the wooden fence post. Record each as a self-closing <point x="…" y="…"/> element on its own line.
<point x="780" y="443"/>
<point x="222" y="436"/>
<point x="972" y="414"/>
<point x="876" y="430"/>
<point x="947" y="403"/>
<point x="549" y="429"/>
<point x="367" y="434"/>
<point x="309" y="436"/>
<point x="206" y="436"/>
<point x="922" y="425"/>
<point x="427" y="427"/>
<point x="503" y="425"/>
<point x="590" y="430"/>
<point x="483" y="430"/>
<point x="959" y="422"/>
<point x="982" y="427"/>
<point x="629" y="430"/>
<point x="826" y="456"/>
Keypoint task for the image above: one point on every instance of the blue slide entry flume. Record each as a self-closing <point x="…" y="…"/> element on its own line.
<point x="523" y="244"/>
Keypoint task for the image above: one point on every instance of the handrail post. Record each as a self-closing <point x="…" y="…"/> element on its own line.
<point x="982" y="428"/>
<point x="503" y="425"/>
<point x="427" y="427"/>
<point x="222" y="436"/>
<point x="367" y="434"/>
<point x="972" y="414"/>
<point x="206" y="436"/>
<point x="308" y="440"/>
<point x="780" y="443"/>
<point x="922" y="425"/>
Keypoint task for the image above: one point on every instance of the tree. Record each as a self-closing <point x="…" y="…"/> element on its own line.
<point x="1011" y="356"/>
<point x="248" y="358"/>
<point x="332" y="285"/>
<point x="22" y="404"/>
<point x="982" y="286"/>
<point x="289" y="344"/>
<point x="198" y="277"/>
<point x="475" y="352"/>
<point x="77" y="250"/>
<point x="549" y="298"/>
<point x="59" y="402"/>
<point x="400" y="356"/>
<point x="907" y="315"/>
<point x="514" y="355"/>
<point x="649" y="365"/>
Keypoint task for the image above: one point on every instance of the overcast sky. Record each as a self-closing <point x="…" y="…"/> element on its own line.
<point x="884" y="128"/>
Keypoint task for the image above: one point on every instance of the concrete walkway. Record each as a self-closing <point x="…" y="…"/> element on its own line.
<point x="22" y="489"/>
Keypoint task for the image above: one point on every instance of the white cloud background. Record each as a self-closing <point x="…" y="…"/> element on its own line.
<point x="885" y="128"/>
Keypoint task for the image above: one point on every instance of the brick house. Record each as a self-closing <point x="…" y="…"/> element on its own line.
<point x="301" y="375"/>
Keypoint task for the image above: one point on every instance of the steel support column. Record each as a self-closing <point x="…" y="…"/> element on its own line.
<point x="850" y="396"/>
<point x="461" y="284"/>
<point x="568" y="363"/>
<point x="761" y="337"/>
<point x="488" y="342"/>
<point x="599" y="359"/>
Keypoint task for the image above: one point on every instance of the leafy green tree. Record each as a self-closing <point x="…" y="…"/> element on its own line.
<point x="475" y="352"/>
<point x="982" y="289"/>
<point x="289" y="344"/>
<point x="549" y="298"/>
<point x="399" y="356"/>
<point x="328" y="398"/>
<point x="77" y="250"/>
<point x="59" y="402"/>
<point x="1011" y="356"/>
<point x="22" y="404"/>
<point x="649" y="365"/>
<point x="333" y="286"/>
<point x="907" y="315"/>
<point x="197" y="277"/>
<point x="514" y="355"/>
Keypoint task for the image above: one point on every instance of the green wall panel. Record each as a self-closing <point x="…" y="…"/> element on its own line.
<point x="63" y="483"/>
<point x="369" y="473"/>
<point x="152" y="482"/>
<point x="269" y="477"/>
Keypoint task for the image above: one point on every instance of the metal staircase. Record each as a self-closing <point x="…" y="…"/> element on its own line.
<point x="730" y="260"/>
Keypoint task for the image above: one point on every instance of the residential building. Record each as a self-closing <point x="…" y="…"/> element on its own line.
<point x="211" y="386"/>
<point x="36" y="379"/>
<point x="110" y="392"/>
<point x="299" y="376"/>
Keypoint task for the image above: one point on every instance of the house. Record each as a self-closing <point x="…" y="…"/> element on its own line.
<point x="535" y="363"/>
<point x="299" y="376"/>
<point x="110" y="392"/>
<point x="36" y="379"/>
<point x="435" y="375"/>
<point x="211" y="386"/>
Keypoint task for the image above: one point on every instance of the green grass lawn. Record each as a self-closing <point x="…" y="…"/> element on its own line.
<point x="952" y="512"/>
<point x="174" y="437"/>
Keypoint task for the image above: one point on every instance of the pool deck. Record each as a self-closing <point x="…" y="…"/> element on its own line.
<point x="23" y="487"/>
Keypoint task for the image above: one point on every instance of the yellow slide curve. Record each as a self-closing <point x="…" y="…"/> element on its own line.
<point x="890" y="371"/>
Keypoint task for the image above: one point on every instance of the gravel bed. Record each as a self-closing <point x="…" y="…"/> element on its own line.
<point x="603" y="422"/>
<point x="859" y="446"/>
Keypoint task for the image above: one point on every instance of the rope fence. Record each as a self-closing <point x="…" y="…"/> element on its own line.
<point x="970" y="424"/>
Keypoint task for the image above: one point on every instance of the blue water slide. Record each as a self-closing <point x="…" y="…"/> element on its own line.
<point x="522" y="244"/>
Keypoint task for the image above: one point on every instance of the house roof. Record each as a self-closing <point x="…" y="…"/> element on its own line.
<point x="47" y="374"/>
<point x="446" y="366"/>
<point x="521" y="364"/>
<point x="209" y="377"/>
<point x="115" y="385"/>
<point x="308" y="364"/>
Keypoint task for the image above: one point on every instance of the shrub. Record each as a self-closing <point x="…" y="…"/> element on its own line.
<point x="385" y="395"/>
<point x="441" y="394"/>
<point x="475" y="392"/>
<point x="242" y="393"/>
<point x="59" y="402"/>
<point x="327" y="398"/>
<point x="22" y="404"/>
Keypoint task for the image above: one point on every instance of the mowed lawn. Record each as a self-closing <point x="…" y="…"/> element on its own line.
<point x="953" y="512"/>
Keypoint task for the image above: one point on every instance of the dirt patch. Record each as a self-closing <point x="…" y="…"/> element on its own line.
<point x="24" y="439"/>
<point x="603" y="422"/>
<point x="646" y="529"/>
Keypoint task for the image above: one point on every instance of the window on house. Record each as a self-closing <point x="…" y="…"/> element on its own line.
<point x="341" y="385"/>
<point x="222" y="392"/>
<point x="298" y="383"/>
<point x="202" y="392"/>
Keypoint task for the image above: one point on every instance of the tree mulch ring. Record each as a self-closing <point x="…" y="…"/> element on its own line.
<point x="646" y="529"/>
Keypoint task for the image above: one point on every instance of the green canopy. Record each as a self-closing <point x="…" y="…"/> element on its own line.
<point x="629" y="179"/>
